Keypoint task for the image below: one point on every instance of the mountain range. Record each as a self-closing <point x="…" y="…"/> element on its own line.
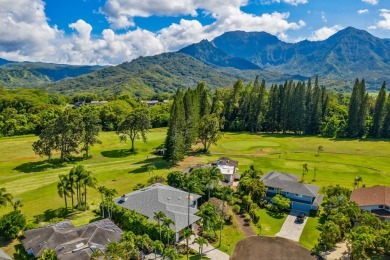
<point x="338" y="60"/>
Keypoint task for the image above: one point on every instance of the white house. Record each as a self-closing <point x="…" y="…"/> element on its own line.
<point x="373" y="199"/>
<point x="227" y="167"/>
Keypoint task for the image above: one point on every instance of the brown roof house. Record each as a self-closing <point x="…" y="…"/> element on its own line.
<point x="373" y="199"/>
<point x="70" y="242"/>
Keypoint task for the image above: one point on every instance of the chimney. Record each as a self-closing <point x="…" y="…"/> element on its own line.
<point x="124" y="197"/>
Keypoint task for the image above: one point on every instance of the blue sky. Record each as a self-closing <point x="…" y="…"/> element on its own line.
<point x="114" y="31"/>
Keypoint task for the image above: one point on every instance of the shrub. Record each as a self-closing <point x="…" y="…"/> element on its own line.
<point x="11" y="224"/>
<point x="236" y="208"/>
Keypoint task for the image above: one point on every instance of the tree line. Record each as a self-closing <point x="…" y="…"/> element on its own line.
<point x="27" y="111"/>
<point x="197" y="116"/>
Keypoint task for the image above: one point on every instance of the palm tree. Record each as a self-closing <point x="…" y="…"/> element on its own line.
<point x="171" y="253"/>
<point x="17" y="203"/>
<point x="88" y="181"/>
<point x="320" y="149"/>
<point x="144" y="241"/>
<point x="5" y="197"/>
<point x="102" y="191"/>
<point x="151" y="169"/>
<point x="115" y="250"/>
<point x="159" y="216"/>
<point x="201" y="241"/>
<point x="157" y="246"/>
<point x="78" y="174"/>
<point x="71" y="184"/>
<point x="109" y="195"/>
<point x="187" y="233"/>
<point x="226" y="196"/>
<point x="209" y="215"/>
<point x="358" y="179"/>
<point x="166" y="223"/>
<point x="62" y="188"/>
<point x="305" y="169"/>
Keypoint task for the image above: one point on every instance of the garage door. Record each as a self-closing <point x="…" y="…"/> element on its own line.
<point x="300" y="206"/>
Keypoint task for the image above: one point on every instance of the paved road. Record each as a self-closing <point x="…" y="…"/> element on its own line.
<point x="290" y="229"/>
<point x="208" y="251"/>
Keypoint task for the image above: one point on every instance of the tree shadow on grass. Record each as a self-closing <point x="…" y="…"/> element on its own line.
<point x="51" y="215"/>
<point x="41" y="166"/>
<point x="158" y="162"/>
<point x="120" y="153"/>
<point x="275" y="214"/>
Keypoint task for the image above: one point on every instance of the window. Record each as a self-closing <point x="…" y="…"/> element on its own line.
<point x="380" y="206"/>
<point x="297" y="195"/>
<point x="287" y="193"/>
<point x="387" y="207"/>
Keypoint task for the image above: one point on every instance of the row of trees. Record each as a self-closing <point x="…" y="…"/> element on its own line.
<point x="66" y="130"/>
<point x="192" y="120"/>
<point x="26" y="111"/>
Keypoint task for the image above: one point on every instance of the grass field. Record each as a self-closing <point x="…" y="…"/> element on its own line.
<point x="32" y="179"/>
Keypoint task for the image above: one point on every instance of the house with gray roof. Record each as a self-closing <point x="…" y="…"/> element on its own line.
<point x="304" y="197"/>
<point x="70" y="242"/>
<point x="4" y="256"/>
<point x="159" y="197"/>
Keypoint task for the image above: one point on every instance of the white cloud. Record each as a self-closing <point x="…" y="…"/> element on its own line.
<point x="26" y="34"/>
<point x="290" y="2"/>
<point x="362" y="11"/>
<point x="385" y="22"/>
<point x="24" y="30"/>
<point x="371" y="2"/>
<point x="324" y="33"/>
<point x="323" y="17"/>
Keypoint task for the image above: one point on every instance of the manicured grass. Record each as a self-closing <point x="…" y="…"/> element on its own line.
<point x="231" y="234"/>
<point x="270" y="222"/>
<point x="33" y="179"/>
<point x="310" y="233"/>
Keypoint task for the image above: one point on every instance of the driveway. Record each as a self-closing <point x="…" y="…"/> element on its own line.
<point x="290" y="229"/>
<point x="208" y="251"/>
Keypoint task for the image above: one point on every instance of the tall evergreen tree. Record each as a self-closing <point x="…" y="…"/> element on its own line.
<point x="376" y="129"/>
<point x="191" y="111"/>
<point x="386" y="121"/>
<point x="174" y="142"/>
<point x="363" y="108"/>
<point x="353" y="111"/>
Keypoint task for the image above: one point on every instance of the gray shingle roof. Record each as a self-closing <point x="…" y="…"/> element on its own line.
<point x="289" y="183"/>
<point x="4" y="256"/>
<point x="69" y="242"/>
<point x="158" y="197"/>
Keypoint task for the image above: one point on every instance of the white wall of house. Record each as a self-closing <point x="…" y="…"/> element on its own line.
<point x="374" y="207"/>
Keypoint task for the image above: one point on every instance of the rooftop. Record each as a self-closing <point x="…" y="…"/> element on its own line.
<point x="226" y="161"/>
<point x="377" y="195"/>
<point x="159" y="197"/>
<point x="70" y="242"/>
<point x="289" y="183"/>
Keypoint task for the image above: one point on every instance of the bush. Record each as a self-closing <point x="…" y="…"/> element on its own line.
<point x="11" y="224"/>
<point x="236" y="208"/>
<point x="130" y="220"/>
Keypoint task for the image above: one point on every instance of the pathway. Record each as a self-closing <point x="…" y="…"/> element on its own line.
<point x="290" y="229"/>
<point x="247" y="230"/>
<point x="208" y="251"/>
<point x="340" y="251"/>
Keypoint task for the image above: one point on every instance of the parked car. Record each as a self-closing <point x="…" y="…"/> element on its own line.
<point x="300" y="218"/>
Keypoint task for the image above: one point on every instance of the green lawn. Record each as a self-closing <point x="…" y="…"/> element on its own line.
<point x="231" y="234"/>
<point x="32" y="179"/>
<point x="310" y="233"/>
<point x="271" y="222"/>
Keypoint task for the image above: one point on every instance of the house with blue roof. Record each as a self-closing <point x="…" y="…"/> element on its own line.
<point x="304" y="197"/>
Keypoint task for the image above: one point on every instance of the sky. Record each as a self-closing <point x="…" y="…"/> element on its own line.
<point x="109" y="32"/>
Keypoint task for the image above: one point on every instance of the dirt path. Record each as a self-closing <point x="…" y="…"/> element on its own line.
<point x="246" y="230"/>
